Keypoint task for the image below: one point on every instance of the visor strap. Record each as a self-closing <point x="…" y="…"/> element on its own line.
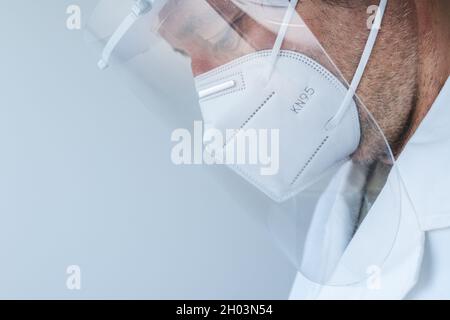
<point x="280" y="37"/>
<point x="361" y="67"/>
<point x="140" y="8"/>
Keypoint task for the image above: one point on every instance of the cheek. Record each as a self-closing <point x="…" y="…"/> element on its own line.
<point x="206" y="56"/>
<point x="202" y="60"/>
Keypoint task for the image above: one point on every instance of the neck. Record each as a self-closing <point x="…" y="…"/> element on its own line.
<point x="433" y="18"/>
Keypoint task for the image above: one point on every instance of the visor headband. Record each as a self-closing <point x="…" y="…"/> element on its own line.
<point x="139" y="9"/>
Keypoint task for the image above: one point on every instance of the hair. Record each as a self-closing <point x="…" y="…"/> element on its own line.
<point x="389" y="86"/>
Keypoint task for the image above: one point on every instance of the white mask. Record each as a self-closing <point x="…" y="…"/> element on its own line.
<point x="299" y="97"/>
<point x="299" y="100"/>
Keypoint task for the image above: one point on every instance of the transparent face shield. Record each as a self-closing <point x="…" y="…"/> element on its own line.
<point x="260" y="72"/>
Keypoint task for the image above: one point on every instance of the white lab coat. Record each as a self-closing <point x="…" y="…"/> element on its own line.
<point x="418" y="265"/>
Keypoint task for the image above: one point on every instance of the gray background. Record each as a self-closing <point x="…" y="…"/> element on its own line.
<point x="86" y="179"/>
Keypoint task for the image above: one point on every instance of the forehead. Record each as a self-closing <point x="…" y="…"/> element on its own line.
<point x="228" y="10"/>
<point x="182" y="20"/>
<point x="197" y="15"/>
<point x="200" y="16"/>
<point x="200" y="9"/>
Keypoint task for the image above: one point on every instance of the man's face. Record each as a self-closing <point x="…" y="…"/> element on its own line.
<point x="214" y="32"/>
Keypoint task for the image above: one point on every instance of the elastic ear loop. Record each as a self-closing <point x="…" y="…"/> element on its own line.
<point x="359" y="71"/>
<point x="280" y="37"/>
<point x="361" y="67"/>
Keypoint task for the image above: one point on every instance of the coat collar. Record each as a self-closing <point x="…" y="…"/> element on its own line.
<point x="422" y="163"/>
<point x="425" y="162"/>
